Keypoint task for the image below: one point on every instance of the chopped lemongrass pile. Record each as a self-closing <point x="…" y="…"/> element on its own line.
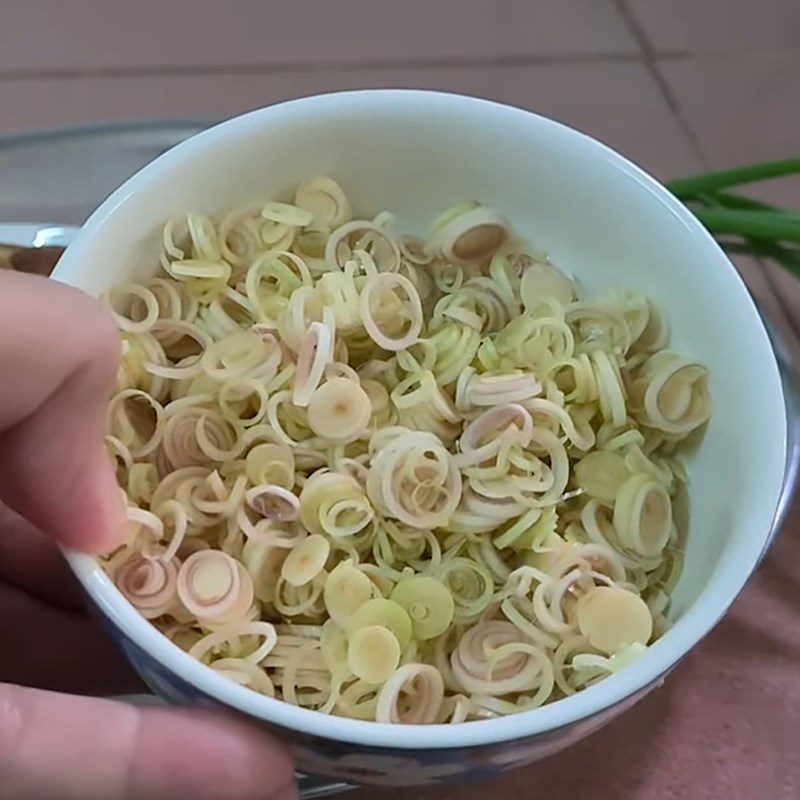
<point x="393" y="479"/>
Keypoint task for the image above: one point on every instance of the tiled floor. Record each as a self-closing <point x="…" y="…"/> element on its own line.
<point x="677" y="85"/>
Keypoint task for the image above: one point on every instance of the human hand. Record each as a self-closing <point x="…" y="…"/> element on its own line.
<point x="58" y="356"/>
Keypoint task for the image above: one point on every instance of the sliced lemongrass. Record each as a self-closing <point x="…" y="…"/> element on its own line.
<point x="413" y="695"/>
<point x="209" y="583"/>
<point x="375" y="289"/>
<point x="643" y="515"/>
<point x="306" y="560"/>
<point x="611" y="618"/>
<point x="541" y="282"/>
<point x="134" y="418"/>
<point x="134" y="307"/>
<point x="601" y="474"/>
<point x="333" y="648"/>
<point x="326" y="201"/>
<point x="385" y="613"/>
<point x="610" y="389"/>
<point x="264" y="565"/>
<point x="197" y="268"/>
<point x="245" y="673"/>
<point x="272" y="464"/>
<point x="346" y="590"/>
<point x="493" y="430"/>
<point x="494" y="390"/>
<point x="373" y="653"/>
<point x="287" y="214"/>
<point x="472" y="233"/>
<point x="429" y="605"/>
<point x="339" y="410"/>
<point x="628" y="654"/>
<point x="470" y="584"/>
<point x="316" y="352"/>
<point x="273" y="502"/>
<point x="149" y="584"/>
<point x="366" y="236"/>
<point x="675" y="396"/>
<point x="233" y="632"/>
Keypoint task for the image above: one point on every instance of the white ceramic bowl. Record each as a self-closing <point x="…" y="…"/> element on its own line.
<point x="599" y="217"/>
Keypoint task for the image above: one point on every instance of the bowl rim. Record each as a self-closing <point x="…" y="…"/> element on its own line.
<point x="695" y="623"/>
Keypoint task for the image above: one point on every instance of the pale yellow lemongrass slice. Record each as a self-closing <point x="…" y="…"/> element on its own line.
<point x="326" y="201"/>
<point x="468" y="233"/>
<point x="542" y="282"/>
<point x="209" y="584"/>
<point x="134" y="307"/>
<point x="287" y="214"/>
<point x="346" y="590"/>
<point x="373" y="653"/>
<point x="373" y="294"/>
<point x="601" y="474"/>
<point x="234" y="632"/>
<point x="316" y="351"/>
<point x="306" y="560"/>
<point x="429" y="605"/>
<point x="272" y="464"/>
<point x="385" y="613"/>
<point x="273" y="502"/>
<point x="339" y="410"/>
<point x="643" y="515"/>
<point x="149" y="584"/>
<point x="413" y="695"/>
<point x="610" y="618"/>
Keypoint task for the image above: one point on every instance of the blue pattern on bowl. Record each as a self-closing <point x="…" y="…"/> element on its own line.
<point x="376" y="765"/>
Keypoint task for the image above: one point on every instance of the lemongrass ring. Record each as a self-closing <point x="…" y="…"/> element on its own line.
<point x="610" y="618"/>
<point x="601" y="474"/>
<point x="273" y="502"/>
<point x="270" y="463"/>
<point x="542" y="282"/>
<point x="643" y="515"/>
<point x="236" y="630"/>
<point x="126" y="321"/>
<point x="316" y="351"/>
<point x="117" y="416"/>
<point x="373" y="653"/>
<point x="306" y="560"/>
<point x="346" y="589"/>
<point x="287" y="214"/>
<point x="326" y="201"/>
<point x="471" y="235"/>
<point x="428" y="603"/>
<point x="148" y="584"/>
<point x="338" y="251"/>
<point x="208" y="583"/>
<point x="385" y="613"/>
<point x="422" y="685"/>
<point x="386" y="281"/>
<point x="339" y="410"/>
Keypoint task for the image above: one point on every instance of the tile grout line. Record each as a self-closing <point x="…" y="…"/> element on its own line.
<point x="56" y="73"/>
<point x="650" y="59"/>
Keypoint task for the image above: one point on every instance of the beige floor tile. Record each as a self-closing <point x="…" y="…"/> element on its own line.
<point x="86" y="34"/>
<point x="719" y="25"/>
<point x="616" y="102"/>
<point x="743" y="109"/>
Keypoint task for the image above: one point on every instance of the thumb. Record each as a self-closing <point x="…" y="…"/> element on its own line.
<point x="58" y="355"/>
<point x="74" y="748"/>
